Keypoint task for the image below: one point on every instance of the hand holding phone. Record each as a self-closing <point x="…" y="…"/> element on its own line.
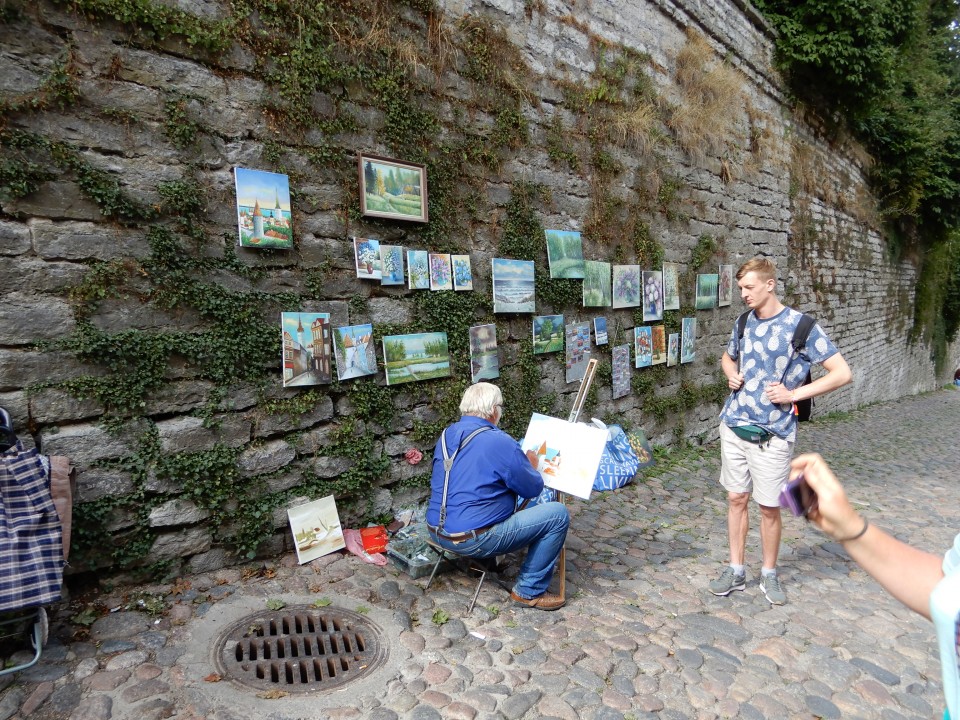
<point x="798" y="497"/>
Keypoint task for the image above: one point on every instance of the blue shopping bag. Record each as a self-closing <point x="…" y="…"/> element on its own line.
<point x="619" y="463"/>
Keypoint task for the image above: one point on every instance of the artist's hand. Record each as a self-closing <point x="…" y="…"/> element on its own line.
<point x="735" y="382"/>
<point x="778" y="394"/>
<point x="533" y="459"/>
<point x="833" y="513"/>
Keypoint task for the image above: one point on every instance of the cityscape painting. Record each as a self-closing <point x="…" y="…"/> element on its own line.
<point x="263" y="209"/>
<point x="577" y="336"/>
<point x="306" y="340"/>
<point x="419" y="356"/>
<point x="353" y="349"/>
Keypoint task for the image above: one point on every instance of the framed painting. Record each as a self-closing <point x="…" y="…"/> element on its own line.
<point x="392" y="188"/>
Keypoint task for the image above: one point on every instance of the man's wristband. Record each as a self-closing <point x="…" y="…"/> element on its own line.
<point x="866" y="524"/>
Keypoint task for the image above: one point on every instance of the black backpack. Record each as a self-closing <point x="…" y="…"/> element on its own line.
<point x="800" y="335"/>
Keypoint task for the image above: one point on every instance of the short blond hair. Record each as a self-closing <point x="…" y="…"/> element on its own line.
<point x="481" y="400"/>
<point x="765" y="268"/>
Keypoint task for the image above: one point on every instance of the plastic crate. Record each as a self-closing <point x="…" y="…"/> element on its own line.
<point x="409" y="551"/>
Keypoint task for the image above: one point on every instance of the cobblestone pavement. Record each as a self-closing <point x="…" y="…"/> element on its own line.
<point x="640" y="636"/>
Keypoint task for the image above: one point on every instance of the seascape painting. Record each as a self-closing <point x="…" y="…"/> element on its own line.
<point x="573" y="470"/>
<point x="306" y="340"/>
<point x="391" y="265"/>
<point x="366" y="254"/>
<point x="392" y="188"/>
<point x="725" y="288"/>
<point x="659" y="345"/>
<point x="600" y="330"/>
<point x="484" y="358"/>
<point x="353" y="349"/>
<point x="418" y="270"/>
<point x="441" y="277"/>
<point x="547" y="334"/>
<point x="707" y="291"/>
<point x="514" y="288"/>
<point x="643" y="346"/>
<point x="577" y="336"/>
<point x="688" y="339"/>
<point x="263" y="209"/>
<point x="671" y="286"/>
<point x="462" y="274"/>
<point x="316" y="529"/>
<point x="597" y="291"/>
<point x="626" y="286"/>
<point x="620" y="369"/>
<point x="411" y="358"/>
<point x="652" y="295"/>
<point x="565" y="253"/>
<point x="673" y="349"/>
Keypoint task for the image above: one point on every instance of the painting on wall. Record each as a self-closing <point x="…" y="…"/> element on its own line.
<point x="652" y="295"/>
<point x="441" y="277"/>
<point x="673" y="349"/>
<point x="353" y="349"/>
<point x="547" y="334"/>
<point x="671" y="286"/>
<point x="600" y="330"/>
<point x="263" y="209"/>
<point x="484" y="359"/>
<point x="597" y="291"/>
<point x="514" y="288"/>
<point x="366" y="253"/>
<point x="392" y="189"/>
<point x="620" y="368"/>
<point x="626" y="286"/>
<point x="391" y="265"/>
<point x="307" y="340"/>
<point x="418" y="270"/>
<point x="577" y="336"/>
<point x="316" y="529"/>
<point x="565" y="253"/>
<point x="725" y="288"/>
<point x="707" y="291"/>
<point x="659" y="345"/>
<point x="573" y="470"/>
<point x="462" y="273"/>
<point x="688" y="339"/>
<point x="642" y="346"/>
<point x="419" y="356"/>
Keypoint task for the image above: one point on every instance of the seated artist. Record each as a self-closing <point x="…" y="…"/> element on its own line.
<point x="487" y="474"/>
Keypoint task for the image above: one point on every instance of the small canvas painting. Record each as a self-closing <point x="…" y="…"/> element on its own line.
<point x="306" y="339"/>
<point x="366" y="253"/>
<point x="391" y="265"/>
<point x="620" y="367"/>
<point x="484" y="359"/>
<point x="565" y="253"/>
<point x="725" y="288"/>
<point x="420" y="356"/>
<point x="673" y="349"/>
<point x="577" y="337"/>
<point x="353" y="348"/>
<point x="641" y="446"/>
<point x="514" y="287"/>
<point x="573" y="470"/>
<point x="597" y="291"/>
<point x="547" y="334"/>
<point x="316" y="529"/>
<point x="659" y="345"/>
<point x="263" y="209"/>
<point x="418" y="269"/>
<point x="652" y="295"/>
<point x="626" y="286"/>
<point x="462" y="274"/>
<point x="671" y="286"/>
<point x="600" y="330"/>
<point x="688" y="339"/>
<point x="707" y="291"/>
<point x="643" y="346"/>
<point x="441" y="277"/>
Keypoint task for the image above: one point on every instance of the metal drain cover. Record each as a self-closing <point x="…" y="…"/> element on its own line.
<point x="299" y="649"/>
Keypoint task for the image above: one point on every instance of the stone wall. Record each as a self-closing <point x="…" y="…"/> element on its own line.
<point x="765" y="182"/>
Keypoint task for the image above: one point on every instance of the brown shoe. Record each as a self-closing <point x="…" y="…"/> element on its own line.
<point x="546" y="601"/>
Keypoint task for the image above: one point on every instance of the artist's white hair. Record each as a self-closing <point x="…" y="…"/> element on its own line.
<point x="481" y="400"/>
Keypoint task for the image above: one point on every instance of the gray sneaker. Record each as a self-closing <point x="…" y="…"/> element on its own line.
<point x="728" y="582"/>
<point x="770" y="587"/>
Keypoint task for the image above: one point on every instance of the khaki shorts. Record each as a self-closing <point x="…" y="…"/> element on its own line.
<point x="747" y="467"/>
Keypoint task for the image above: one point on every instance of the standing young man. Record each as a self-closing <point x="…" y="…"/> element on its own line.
<point x="758" y="425"/>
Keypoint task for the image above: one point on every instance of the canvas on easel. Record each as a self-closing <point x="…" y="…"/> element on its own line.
<point x="568" y="453"/>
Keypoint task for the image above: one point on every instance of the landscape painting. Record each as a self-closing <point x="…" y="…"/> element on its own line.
<point x="671" y="286"/>
<point x="484" y="359"/>
<point x="573" y="470"/>
<point x="441" y="277"/>
<point x="514" y="289"/>
<point x="620" y="369"/>
<point x="565" y="253"/>
<point x="577" y="336"/>
<point x="392" y="189"/>
<point x="353" y="349"/>
<point x="547" y="334"/>
<point x="597" y="291"/>
<point x="391" y="265"/>
<point x="652" y="295"/>
<point x="366" y="253"/>
<point x="306" y="339"/>
<point x="600" y="330"/>
<point x="626" y="286"/>
<point x="263" y="209"/>
<point x="659" y="345"/>
<point x="418" y="270"/>
<point x="316" y="529"/>
<point x="688" y="339"/>
<point x="462" y="274"/>
<point x="673" y="349"/>
<point x="642" y="346"/>
<point x="707" y="291"/>
<point x="420" y="356"/>
<point x="725" y="288"/>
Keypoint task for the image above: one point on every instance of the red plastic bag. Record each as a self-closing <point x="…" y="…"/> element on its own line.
<point x="374" y="538"/>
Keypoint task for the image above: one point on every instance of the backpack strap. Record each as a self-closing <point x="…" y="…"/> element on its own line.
<point x="741" y="327"/>
<point x="802" y="332"/>
<point x="448" y="463"/>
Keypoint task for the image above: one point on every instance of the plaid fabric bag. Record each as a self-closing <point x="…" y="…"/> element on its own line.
<point x="31" y="540"/>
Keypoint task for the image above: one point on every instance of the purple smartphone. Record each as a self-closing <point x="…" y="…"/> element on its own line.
<point x="798" y="497"/>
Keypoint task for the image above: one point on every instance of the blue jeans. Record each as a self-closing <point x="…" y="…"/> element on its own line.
<point x="541" y="528"/>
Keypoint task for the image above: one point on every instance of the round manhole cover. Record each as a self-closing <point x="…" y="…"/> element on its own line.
<point x="299" y="649"/>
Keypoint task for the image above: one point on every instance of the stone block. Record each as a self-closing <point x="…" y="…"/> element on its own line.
<point x="265" y="458"/>
<point x="14" y="238"/>
<point x="211" y="560"/>
<point x="391" y="310"/>
<point x="188" y="434"/>
<point x="52" y="406"/>
<point x="34" y="276"/>
<point x="87" y="241"/>
<point x="178" y="397"/>
<point x="26" y="319"/>
<point x="18" y="405"/>
<point x="177" y="512"/>
<point x="85" y="443"/>
<point x="183" y="543"/>
<point x="267" y="425"/>
<point x="55" y="200"/>
<point x="96" y="483"/>
<point x="332" y="466"/>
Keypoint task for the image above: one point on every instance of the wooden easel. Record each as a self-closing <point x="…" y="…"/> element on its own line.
<point x="561" y="497"/>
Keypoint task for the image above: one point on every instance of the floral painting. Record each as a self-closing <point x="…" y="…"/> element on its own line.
<point x="652" y="295"/>
<point x="565" y="253"/>
<point x="597" y="291"/>
<point x="671" y="286"/>
<point x="626" y="286"/>
<point x="462" y="274"/>
<point x="642" y="346"/>
<point x="263" y="209"/>
<point x="441" y="277"/>
<point x="688" y="339"/>
<point x="366" y="253"/>
<point x="673" y="349"/>
<point x="659" y="345"/>
<point x="391" y="265"/>
<point x="418" y="270"/>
